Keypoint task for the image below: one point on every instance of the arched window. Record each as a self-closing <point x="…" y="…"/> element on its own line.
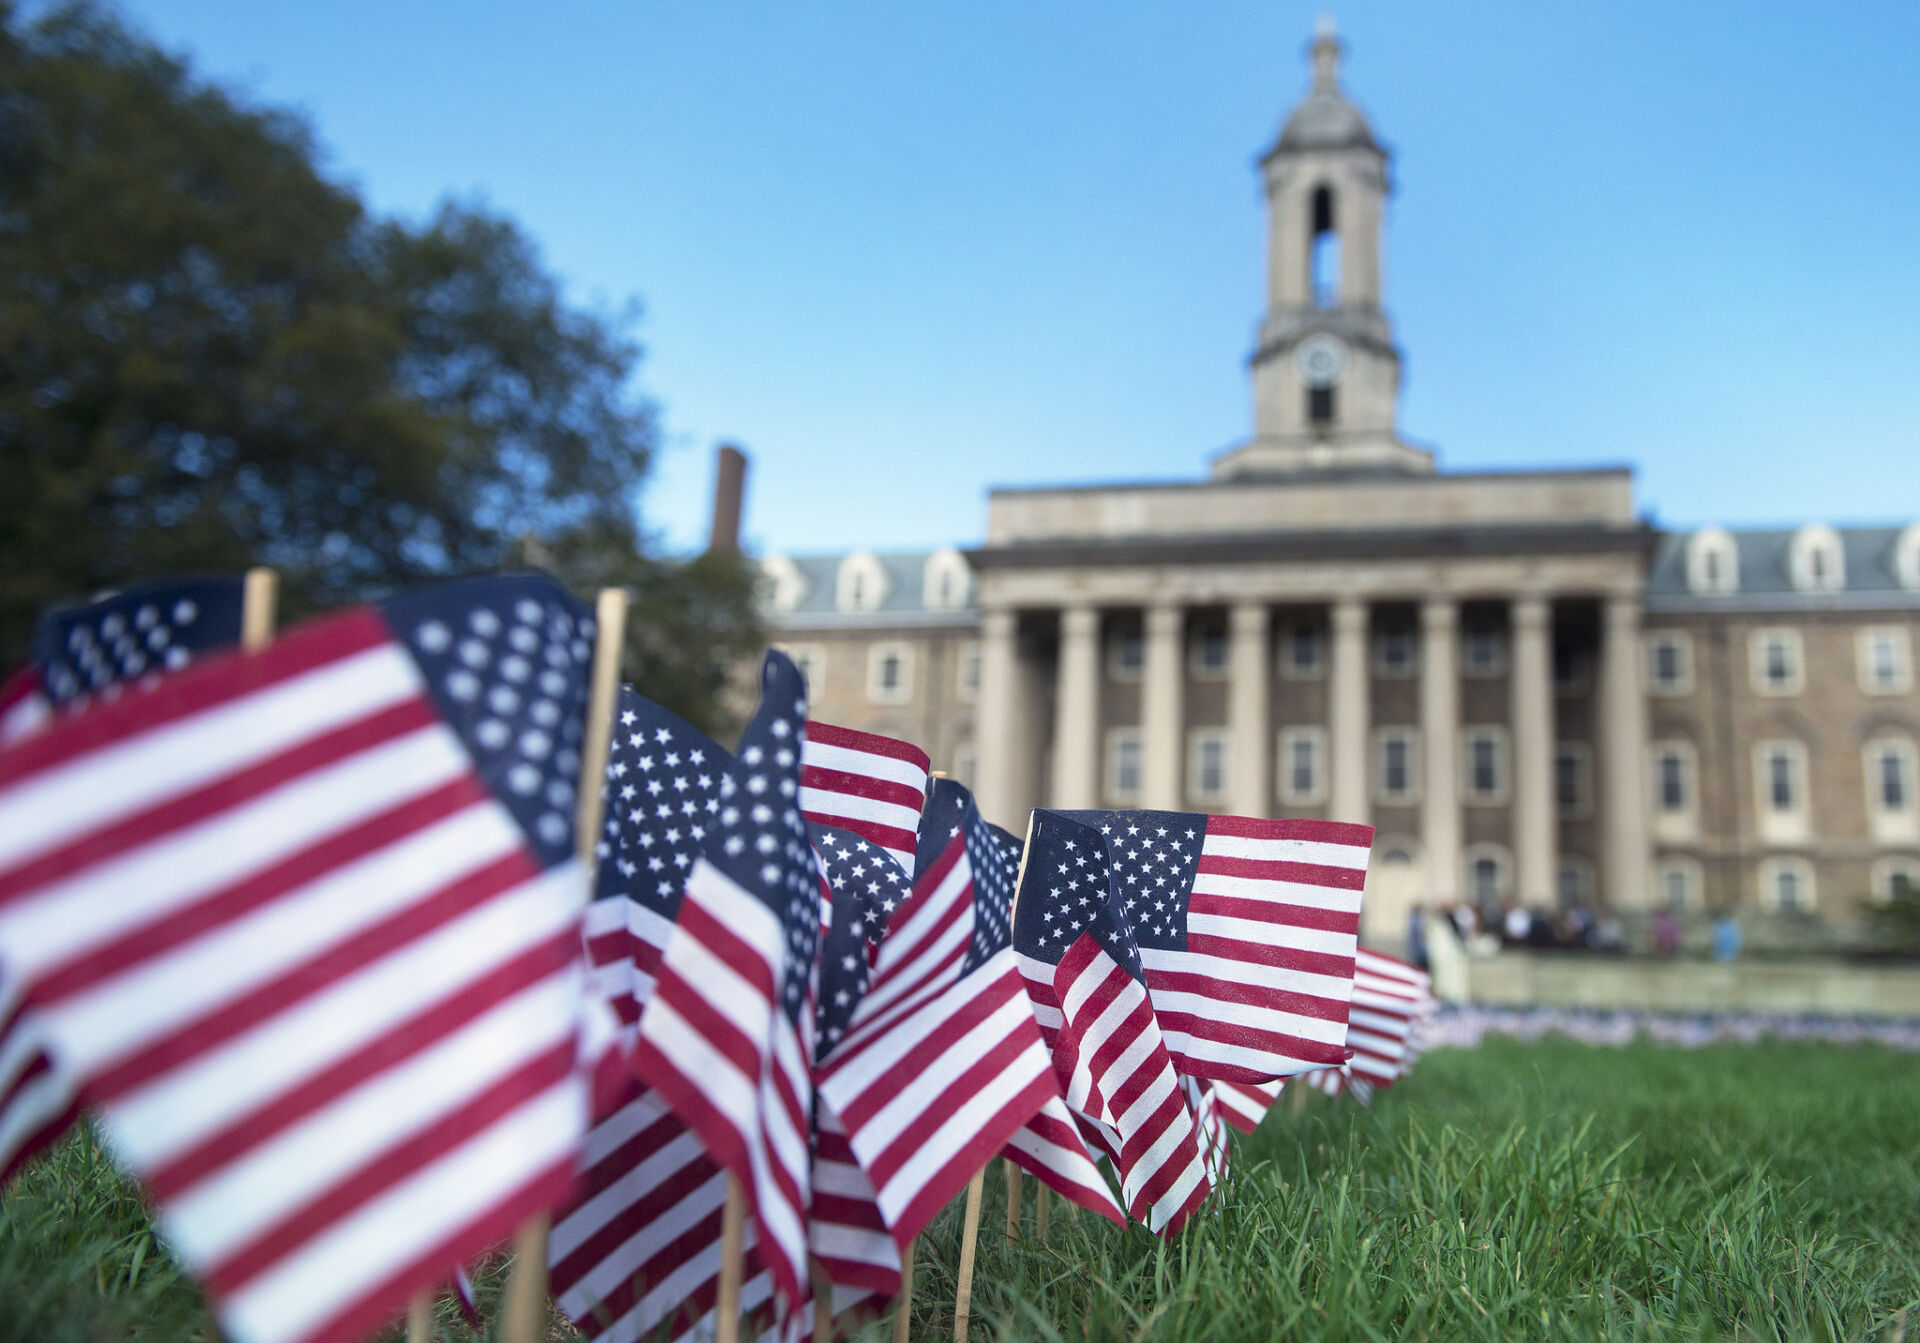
<point x="861" y="584"/>
<point x="1713" y="561"/>
<point x="1815" y="560"/>
<point x="947" y="584"/>
<point x="783" y="585"/>
<point x="1324" y="259"/>
<point x="1906" y="557"/>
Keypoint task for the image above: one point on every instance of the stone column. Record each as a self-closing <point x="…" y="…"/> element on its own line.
<point x="1440" y="735"/>
<point x="1162" y="742"/>
<point x="995" y="761"/>
<point x="1249" y="709"/>
<point x="1534" y="820"/>
<point x="1347" y="712"/>
<point x="1623" y="744"/>
<point x="1076" y="723"/>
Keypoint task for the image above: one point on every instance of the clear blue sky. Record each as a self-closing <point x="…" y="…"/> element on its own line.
<point x="904" y="251"/>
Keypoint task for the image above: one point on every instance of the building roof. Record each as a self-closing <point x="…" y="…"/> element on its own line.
<point x="1765" y="575"/>
<point x="903" y="594"/>
<point x="1327" y="118"/>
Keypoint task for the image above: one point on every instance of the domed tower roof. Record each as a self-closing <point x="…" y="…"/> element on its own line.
<point x="1326" y="119"/>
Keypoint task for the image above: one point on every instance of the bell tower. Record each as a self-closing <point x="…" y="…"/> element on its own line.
<point x="1326" y="373"/>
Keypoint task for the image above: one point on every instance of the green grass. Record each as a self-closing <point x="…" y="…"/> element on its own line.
<point x="1519" y="1191"/>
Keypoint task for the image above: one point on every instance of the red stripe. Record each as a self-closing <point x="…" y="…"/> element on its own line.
<point x="1277" y="913"/>
<point x="940" y="1187"/>
<point x="659" y="1199"/>
<point x="841" y="783"/>
<point x="827" y="734"/>
<point x="213" y="682"/>
<point x="222" y="908"/>
<point x="978" y="1078"/>
<point x="400" y="1042"/>
<point x="922" y="1056"/>
<point x="390" y="1168"/>
<point x="1312" y="832"/>
<point x="1202" y="948"/>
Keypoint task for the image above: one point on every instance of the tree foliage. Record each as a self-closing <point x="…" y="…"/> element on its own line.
<point x="211" y="355"/>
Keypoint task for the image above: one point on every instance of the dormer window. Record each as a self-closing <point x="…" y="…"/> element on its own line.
<point x="948" y="582"/>
<point x="862" y="583"/>
<point x="785" y="587"/>
<point x="1713" y="562"/>
<point x="1906" y="558"/>
<point x="1815" y="560"/>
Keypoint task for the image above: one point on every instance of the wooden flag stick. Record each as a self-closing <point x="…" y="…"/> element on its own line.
<point x="733" y="1257"/>
<point x="822" y="1302"/>
<point x="420" y="1317"/>
<point x="259" y="598"/>
<point x="1040" y="1209"/>
<point x="523" y="1310"/>
<point x="1013" y="1199"/>
<point x="903" y="1310"/>
<point x="969" y="1238"/>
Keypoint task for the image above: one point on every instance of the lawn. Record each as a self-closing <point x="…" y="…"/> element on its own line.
<point x="1515" y="1191"/>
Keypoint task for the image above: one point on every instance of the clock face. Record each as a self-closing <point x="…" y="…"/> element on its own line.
<point x="1320" y="360"/>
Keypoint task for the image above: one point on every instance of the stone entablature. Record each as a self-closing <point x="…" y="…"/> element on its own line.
<point x="1335" y="502"/>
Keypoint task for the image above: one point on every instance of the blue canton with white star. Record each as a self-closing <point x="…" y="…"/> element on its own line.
<point x="759" y="839"/>
<point x="133" y="635"/>
<point x="662" y="797"/>
<point x="866" y="885"/>
<point x="506" y="662"/>
<point x="1066" y="891"/>
<point x="951" y="815"/>
<point x="1153" y="855"/>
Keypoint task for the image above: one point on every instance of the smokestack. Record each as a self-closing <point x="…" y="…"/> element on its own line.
<point x="729" y="496"/>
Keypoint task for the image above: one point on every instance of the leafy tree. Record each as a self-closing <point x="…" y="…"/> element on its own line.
<point x="211" y="355"/>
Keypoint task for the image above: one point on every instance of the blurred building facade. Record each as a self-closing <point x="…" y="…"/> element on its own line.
<point x="1532" y="694"/>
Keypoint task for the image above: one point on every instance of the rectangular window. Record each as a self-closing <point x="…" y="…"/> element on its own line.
<point x="1670" y="662"/>
<point x="1207" y="764"/>
<point x="1893" y="780"/>
<point x="1394" y="652"/>
<point x="1485" y="761"/>
<point x="890" y="673"/>
<point x="1320" y="407"/>
<point x="1483" y="651"/>
<point x="1774" y="656"/>
<point x="1306" y="653"/>
<point x="969" y="671"/>
<point x="1209" y="657"/>
<point x="1302" y="775"/>
<point x="1672" y="787"/>
<point x="1396" y="765"/>
<point x="811" y="661"/>
<point x="1123" y="764"/>
<point x="1885" y="654"/>
<point x="1572" y="779"/>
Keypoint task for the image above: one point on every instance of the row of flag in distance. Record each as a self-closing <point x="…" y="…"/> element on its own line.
<point x="306" y="927"/>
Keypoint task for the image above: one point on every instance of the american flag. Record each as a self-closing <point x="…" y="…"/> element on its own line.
<point x="871" y="785"/>
<point x="847" y="1232"/>
<point x="1245" y="1104"/>
<point x="942" y="1063"/>
<point x="1089" y="995"/>
<point x="637" y="1246"/>
<point x="1341" y="1081"/>
<point x="1389" y="997"/>
<point x="80" y="654"/>
<point x="306" y="923"/>
<point x="727" y="1037"/>
<point x="1247" y="930"/>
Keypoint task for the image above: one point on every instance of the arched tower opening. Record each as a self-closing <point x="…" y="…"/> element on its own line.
<point x="1323" y="255"/>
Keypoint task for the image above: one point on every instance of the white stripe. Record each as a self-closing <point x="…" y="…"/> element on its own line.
<point x="1317" y="852"/>
<point x="659" y="1166"/>
<point x="344" y="1261"/>
<point x="179" y="986"/>
<point x="724" y="1086"/>
<point x="617" y="1129"/>
<point x="1262" y="933"/>
<point x="1201" y="1008"/>
<point x="639" y="1249"/>
<point x="237" y="1202"/>
<point x="50" y="807"/>
<point x="107" y="900"/>
<point x="28" y="715"/>
<point x="1205" y="1048"/>
<point x="190" y="1103"/>
<point x="871" y="764"/>
<point x="1269" y="892"/>
<point x="837" y="808"/>
<point x="1326" y="988"/>
<point x="902" y="943"/>
<point x="959" y="1128"/>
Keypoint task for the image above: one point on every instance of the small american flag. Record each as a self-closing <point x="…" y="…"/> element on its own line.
<point x="1389" y="998"/>
<point x="81" y="654"/>
<point x="1247" y="930"/>
<point x="1089" y="996"/>
<point x="637" y="1247"/>
<point x="942" y="1063"/>
<point x="306" y="923"/>
<point x="1245" y="1104"/>
<point x="1341" y="1081"/>
<point x="862" y="782"/>
<point x="727" y="1036"/>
